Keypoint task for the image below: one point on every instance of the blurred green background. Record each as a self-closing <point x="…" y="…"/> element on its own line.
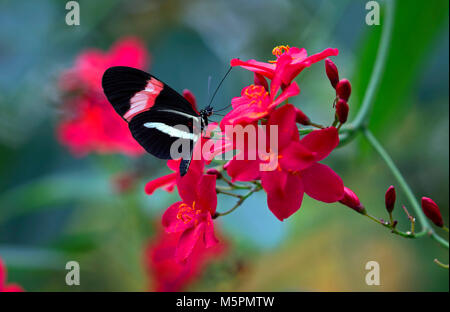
<point x="55" y="207"/>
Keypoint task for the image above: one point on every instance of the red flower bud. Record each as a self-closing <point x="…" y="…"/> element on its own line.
<point x="301" y="118"/>
<point x="261" y="81"/>
<point x="332" y="72"/>
<point x="214" y="171"/>
<point x="342" y="110"/>
<point x="389" y="198"/>
<point x="344" y="89"/>
<point x="431" y="210"/>
<point x="351" y="200"/>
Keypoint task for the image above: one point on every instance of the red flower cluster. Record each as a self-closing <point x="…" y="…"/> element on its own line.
<point x="297" y="171"/>
<point x="90" y="123"/>
<point x="7" y="287"/>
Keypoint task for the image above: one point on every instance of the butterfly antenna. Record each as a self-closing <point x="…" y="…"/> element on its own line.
<point x="217" y="89"/>
<point x="209" y="85"/>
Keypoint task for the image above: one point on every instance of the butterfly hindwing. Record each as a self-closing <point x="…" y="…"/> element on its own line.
<point x="157" y="131"/>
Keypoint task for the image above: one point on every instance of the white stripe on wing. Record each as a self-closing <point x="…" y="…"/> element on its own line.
<point x="180" y="113"/>
<point x="172" y="131"/>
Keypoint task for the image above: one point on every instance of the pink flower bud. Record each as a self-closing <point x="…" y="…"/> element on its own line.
<point x="389" y="198"/>
<point x="351" y="200"/>
<point x="214" y="171"/>
<point x="342" y="110"/>
<point x="301" y="118"/>
<point x="431" y="210"/>
<point x="261" y="81"/>
<point x="344" y="89"/>
<point x="332" y="72"/>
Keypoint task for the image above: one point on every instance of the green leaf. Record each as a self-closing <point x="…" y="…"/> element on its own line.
<point x="416" y="26"/>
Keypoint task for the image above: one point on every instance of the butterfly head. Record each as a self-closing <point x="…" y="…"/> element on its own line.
<point x="204" y="114"/>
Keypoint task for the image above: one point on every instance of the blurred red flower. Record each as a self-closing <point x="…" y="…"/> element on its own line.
<point x="7" y="287"/>
<point x="91" y="124"/>
<point x="171" y="275"/>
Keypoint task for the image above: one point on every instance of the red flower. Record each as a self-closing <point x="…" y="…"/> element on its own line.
<point x="95" y="127"/>
<point x="171" y="275"/>
<point x="298" y="170"/>
<point x="193" y="215"/>
<point x="289" y="63"/>
<point x="255" y="103"/>
<point x="91" y="124"/>
<point x="7" y="287"/>
<point x="90" y="65"/>
<point x="431" y="210"/>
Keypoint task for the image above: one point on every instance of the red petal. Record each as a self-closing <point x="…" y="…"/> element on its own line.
<point x="206" y="193"/>
<point x="174" y="164"/>
<point x="168" y="182"/>
<point x="282" y="62"/>
<point x="321" y="142"/>
<point x="187" y="242"/>
<point x="265" y="69"/>
<point x="170" y="221"/>
<point x="291" y="90"/>
<point x="12" y="288"/>
<point x="322" y="183"/>
<point x="259" y="80"/>
<point x="284" y="119"/>
<point x="243" y="170"/>
<point x="189" y="96"/>
<point x="321" y="55"/>
<point x="210" y="238"/>
<point x="2" y="274"/>
<point x="296" y="157"/>
<point x="284" y="192"/>
<point x="187" y="185"/>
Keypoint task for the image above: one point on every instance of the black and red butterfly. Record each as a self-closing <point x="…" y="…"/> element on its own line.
<point x="154" y="112"/>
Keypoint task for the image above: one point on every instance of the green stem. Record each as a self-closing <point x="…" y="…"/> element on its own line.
<point x="393" y="230"/>
<point x="362" y="116"/>
<point x="426" y="227"/>
<point x="239" y="202"/>
<point x="442" y="265"/>
<point x="225" y="192"/>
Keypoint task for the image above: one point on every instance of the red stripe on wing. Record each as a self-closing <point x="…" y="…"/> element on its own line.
<point x="145" y="99"/>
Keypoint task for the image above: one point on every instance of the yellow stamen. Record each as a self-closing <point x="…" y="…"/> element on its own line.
<point x="278" y="51"/>
<point x="187" y="213"/>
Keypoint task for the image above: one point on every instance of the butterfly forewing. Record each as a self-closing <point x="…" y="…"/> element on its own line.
<point x="153" y="110"/>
